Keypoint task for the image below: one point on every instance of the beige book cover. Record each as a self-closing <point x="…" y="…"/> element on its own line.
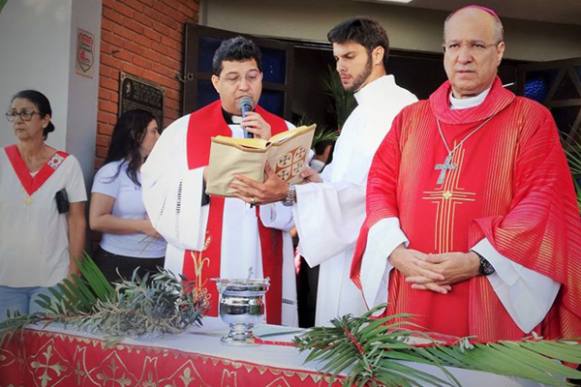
<point x="286" y="153"/>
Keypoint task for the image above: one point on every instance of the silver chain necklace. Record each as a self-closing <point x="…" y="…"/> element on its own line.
<point x="447" y="165"/>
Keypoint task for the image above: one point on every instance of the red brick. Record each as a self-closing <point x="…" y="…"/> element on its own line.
<point x="170" y="62"/>
<point x="109" y="83"/>
<point x="141" y="62"/>
<point x="163" y="70"/>
<point x="103" y="140"/>
<point x="143" y="38"/>
<point x="109" y="60"/>
<point x="106" y="122"/>
<point x="135" y="4"/>
<point x="108" y="25"/>
<point x="123" y="9"/>
<point x="111" y="37"/>
<point x="108" y="71"/>
<point x="142" y="18"/>
<point x="153" y="35"/>
<point x="112" y="15"/>
<point x="133" y="70"/>
<point x="126" y="33"/>
<point x="134" y="26"/>
<point x="101" y="151"/>
<point x="170" y="42"/>
<point x="108" y="95"/>
<point x="173" y="94"/>
<point x="134" y="47"/>
<point x="123" y="55"/>
<point x="107" y="106"/>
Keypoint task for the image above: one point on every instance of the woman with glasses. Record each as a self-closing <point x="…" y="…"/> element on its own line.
<point x="42" y="208"/>
<point x="129" y="240"/>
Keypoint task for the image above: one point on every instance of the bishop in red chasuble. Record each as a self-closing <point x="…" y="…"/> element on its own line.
<point x="472" y="223"/>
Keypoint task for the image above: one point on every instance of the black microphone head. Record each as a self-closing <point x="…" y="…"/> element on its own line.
<point x="246" y="105"/>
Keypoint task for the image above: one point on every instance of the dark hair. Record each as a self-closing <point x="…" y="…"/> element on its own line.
<point x="41" y="103"/>
<point x="367" y="32"/>
<point x="236" y="49"/>
<point x="128" y="134"/>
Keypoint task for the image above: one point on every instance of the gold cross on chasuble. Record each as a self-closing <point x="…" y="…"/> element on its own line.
<point x="446" y="199"/>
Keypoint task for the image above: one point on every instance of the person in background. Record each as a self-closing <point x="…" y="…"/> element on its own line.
<point x="329" y="211"/>
<point x="42" y="208"/>
<point x="129" y="240"/>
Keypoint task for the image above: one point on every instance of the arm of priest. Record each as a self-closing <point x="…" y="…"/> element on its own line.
<point x="337" y="208"/>
<point x="172" y="193"/>
<point x="526" y="293"/>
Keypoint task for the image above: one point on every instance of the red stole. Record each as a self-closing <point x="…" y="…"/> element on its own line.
<point x="32" y="183"/>
<point x="511" y="185"/>
<point x="204" y="124"/>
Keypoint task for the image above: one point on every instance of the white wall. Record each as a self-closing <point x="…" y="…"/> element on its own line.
<point x="37" y="51"/>
<point x="84" y="91"/>
<point x="34" y="54"/>
<point x="408" y="28"/>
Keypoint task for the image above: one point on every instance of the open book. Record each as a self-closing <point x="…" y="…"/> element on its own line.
<point x="286" y="153"/>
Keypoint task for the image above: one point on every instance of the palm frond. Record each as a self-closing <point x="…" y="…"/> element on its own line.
<point x="160" y="304"/>
<point x="376" y="351"/>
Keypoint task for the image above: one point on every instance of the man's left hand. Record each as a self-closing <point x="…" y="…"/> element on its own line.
<point x="454" y="266"/>
<point x="255" y="124"/>
<point x="251" y="191"/>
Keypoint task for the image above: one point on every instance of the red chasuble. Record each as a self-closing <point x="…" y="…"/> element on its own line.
<point x="203" y="125"/>
<point x="511" y="185"/>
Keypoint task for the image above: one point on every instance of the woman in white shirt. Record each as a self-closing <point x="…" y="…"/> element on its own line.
<point x="42" y="208"/>
<point x="129" y="240"/>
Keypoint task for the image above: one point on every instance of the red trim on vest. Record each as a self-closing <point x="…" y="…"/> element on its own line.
<point x="32" y="183"/>
<point x="203" y="125"/>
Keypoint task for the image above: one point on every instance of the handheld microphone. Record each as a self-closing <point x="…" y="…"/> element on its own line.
<point x="246" y="106"/>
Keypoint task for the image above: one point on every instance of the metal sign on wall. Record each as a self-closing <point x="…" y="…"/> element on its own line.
<point x="137" y="93"/>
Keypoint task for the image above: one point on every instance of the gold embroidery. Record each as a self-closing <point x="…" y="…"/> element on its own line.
<point x="199" y="261"/>
<point x="446" y="199"/>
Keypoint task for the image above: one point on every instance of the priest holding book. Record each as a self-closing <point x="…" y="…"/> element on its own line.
<point x="328" y="212"/>
<point x="211" y="237"/>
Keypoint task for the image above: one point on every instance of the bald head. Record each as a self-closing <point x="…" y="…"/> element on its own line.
<point x="481" y="13"/>
<point x="473" y="50"/>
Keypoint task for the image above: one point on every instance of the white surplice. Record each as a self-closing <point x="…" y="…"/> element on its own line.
<point x="172" y="195"/>
<point x="329" y="215"/>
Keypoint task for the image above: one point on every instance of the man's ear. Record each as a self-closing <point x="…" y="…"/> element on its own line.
<point x="500" y="52"/>
<point x="216" y="83"/>
<point x="377" y="55"/>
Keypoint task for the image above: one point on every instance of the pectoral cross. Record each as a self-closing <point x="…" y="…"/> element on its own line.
<point x="444" y="168"/>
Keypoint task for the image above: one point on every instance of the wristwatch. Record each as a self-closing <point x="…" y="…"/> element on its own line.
<point x="291" y="196"/>
<point x="485" y="267"/>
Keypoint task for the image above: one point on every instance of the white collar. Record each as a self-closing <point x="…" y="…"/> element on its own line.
<point x="236" y="120"/>
<point x="465" y="103"/>
<point x="369" y="92"/>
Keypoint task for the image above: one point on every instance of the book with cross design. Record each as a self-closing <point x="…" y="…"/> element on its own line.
<point x="286" y="153"/>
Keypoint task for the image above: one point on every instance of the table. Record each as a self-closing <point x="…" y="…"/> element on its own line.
<point x="57" y="356"/>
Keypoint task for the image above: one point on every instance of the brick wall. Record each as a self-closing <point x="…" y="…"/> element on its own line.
<point x="141" y="38"/>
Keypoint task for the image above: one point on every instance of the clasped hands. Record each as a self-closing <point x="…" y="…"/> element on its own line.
<point x="434" y="272"/>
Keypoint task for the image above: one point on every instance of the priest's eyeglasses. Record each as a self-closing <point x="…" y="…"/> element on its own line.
<point x="473" y="46"/>
<point x="24" y="115"/>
